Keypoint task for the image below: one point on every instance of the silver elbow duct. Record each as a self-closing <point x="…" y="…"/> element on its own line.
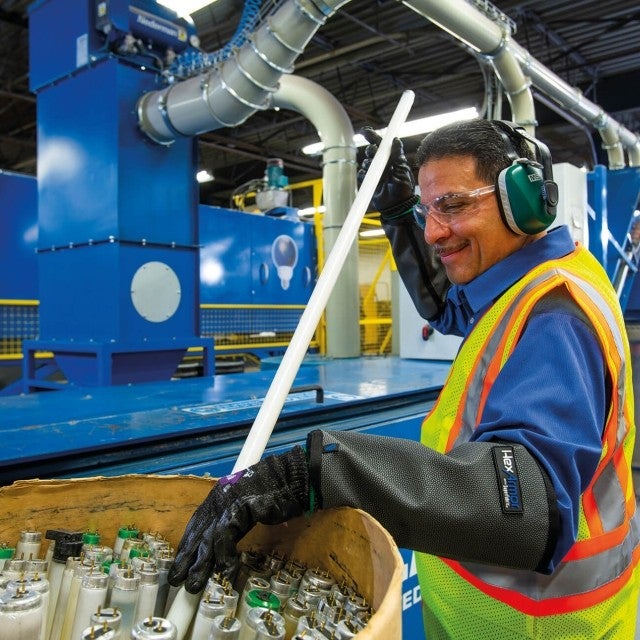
<point x="334" y="127"/>
<point x="339" y="167"/>
<point x="242" y="84"/>
<point x="631" y="142"/>
<point x="466" y="23"/>
<point x="516" y="85"/>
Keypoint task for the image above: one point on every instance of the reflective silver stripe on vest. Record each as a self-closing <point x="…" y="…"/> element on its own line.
<point x="609" y="497"/>
<point x="609" y="316"/>
<point x="607" y="491"/>
<point x="571" y="578"/>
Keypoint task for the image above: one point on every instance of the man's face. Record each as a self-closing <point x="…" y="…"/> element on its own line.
<point x="467" y="232"/>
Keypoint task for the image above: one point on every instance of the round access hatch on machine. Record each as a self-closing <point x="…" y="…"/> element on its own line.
<point x="155" y="291"/>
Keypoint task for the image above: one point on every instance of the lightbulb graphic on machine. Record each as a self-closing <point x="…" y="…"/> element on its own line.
<point x="284" y="253"/>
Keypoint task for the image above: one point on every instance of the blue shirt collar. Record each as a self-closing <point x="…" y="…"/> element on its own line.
<point x="484" y="289"/>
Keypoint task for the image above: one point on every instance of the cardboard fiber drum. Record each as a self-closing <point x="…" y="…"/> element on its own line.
<point x="348" y="543"/>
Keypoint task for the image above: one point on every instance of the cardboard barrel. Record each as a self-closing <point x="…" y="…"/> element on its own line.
<point x="348" y="543"/>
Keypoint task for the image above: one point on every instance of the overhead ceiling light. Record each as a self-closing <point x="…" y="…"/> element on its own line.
<point x="372" y="233"/>
<point x="309" y="212"/>
<point x="204" y="176"/>
<point x="407" y="129"/>
<point x="185" y="7"/>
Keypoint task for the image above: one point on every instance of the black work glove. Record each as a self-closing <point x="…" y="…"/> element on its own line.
<point x="395" y="194"/>
<point x="272" y="491"/>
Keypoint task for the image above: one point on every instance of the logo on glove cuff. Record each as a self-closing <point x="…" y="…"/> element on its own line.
<point x="508" y="480"/>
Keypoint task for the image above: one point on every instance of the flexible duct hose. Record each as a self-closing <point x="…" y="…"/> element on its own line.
<point x="192" y="63"/>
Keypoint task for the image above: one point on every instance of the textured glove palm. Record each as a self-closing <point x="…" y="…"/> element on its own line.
<point x="395" y="193"/>
<point x="270" y="492"/>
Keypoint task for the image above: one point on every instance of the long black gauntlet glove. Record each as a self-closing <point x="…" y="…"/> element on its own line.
<point x="395" y="194"/>
<point x="456" y="505"/>
<point x="272" y="491"/>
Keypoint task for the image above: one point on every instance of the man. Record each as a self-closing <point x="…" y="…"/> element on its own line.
<point x="519" y="496"/>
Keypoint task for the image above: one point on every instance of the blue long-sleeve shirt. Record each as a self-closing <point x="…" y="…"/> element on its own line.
<point x="551" y="394"/>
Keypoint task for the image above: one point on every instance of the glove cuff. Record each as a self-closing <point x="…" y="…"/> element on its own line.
<point x="314" y="453"/>
<point x="400" y="210"/>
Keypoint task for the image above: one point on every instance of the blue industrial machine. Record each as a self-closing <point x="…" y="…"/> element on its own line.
<point x="256" y="273"/>
<point x="614" y="231"/>
<point x="118" y="261"/>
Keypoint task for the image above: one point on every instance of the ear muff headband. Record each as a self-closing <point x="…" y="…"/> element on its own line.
<point x="528" y="195"/>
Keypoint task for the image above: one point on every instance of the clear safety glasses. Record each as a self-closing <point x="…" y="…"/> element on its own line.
<point x="445" y="209"/>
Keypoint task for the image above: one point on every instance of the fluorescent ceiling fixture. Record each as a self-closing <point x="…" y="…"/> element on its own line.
<point x="407" y="129"/>
<point x="204" y="176"/>
<point x="372" y="233"/>
<point x="185" y="7"/>
<point x="310" y="211"/>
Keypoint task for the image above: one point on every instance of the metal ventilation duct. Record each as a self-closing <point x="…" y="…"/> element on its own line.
<point x="242" y="84"/>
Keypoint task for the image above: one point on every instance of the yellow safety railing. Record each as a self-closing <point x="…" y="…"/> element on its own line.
<point x="18" y="322"/>
<point x="375" y="266"/>
<point x="375" y="302"/>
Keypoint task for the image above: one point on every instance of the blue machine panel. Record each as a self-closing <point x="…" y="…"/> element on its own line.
<point x="623" y="189"/>
<point x="19" y="224"/>
<point x="154" y="24"/>
<point x="100" y="307"/>
<point x="241" y="255"/>
<point x="282" y="261"/>
<point x="61" y="33"/>
<point x="97" y="174"/>
<point x="598" y="230"/>
<point x="225" y="256"/>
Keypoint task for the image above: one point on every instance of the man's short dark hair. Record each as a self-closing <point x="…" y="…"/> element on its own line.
<point x="478" y="138"/>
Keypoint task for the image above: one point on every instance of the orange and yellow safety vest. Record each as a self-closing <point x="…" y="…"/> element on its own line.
<point x="593" y="593"/>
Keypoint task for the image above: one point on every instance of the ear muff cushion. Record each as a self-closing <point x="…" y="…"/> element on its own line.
<point x="521" y="198"/>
